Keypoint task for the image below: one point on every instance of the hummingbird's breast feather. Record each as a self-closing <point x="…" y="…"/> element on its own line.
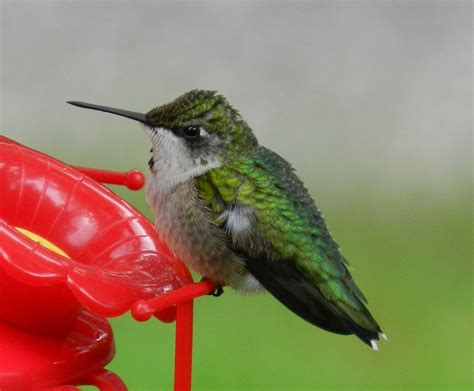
<point x="184" y="222"/>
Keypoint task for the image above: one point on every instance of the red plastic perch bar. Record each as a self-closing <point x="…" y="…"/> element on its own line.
<point x="143" y="310"/>
<point x="182" y="298"/>
<point x="133" y="179"/>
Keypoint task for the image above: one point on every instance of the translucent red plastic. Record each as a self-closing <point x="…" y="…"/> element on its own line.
<point x="30" y="362"/>
<point x="116" y="256"/>
<point x="116" y="263"/>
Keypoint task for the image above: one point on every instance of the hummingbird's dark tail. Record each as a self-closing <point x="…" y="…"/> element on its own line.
<point x="284" y="281"/>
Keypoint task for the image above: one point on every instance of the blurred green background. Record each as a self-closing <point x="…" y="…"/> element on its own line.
<point x="370" y="101"/>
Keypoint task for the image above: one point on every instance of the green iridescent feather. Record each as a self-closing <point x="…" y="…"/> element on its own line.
<point x="289" y="224"/>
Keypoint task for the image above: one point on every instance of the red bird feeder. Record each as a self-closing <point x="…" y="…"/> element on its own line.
<point x="72" y="253"/>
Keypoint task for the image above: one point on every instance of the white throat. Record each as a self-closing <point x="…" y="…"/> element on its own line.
<point x="174" y="163"/>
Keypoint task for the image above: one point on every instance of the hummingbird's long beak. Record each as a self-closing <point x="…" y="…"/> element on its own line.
<point x="123" y="113"/>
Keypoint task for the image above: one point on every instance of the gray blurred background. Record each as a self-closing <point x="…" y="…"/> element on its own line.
<point x="375" y="92"/>
<point x="370" y="101"/>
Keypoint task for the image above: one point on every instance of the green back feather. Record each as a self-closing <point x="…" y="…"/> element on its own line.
<point x="287" y="221"/>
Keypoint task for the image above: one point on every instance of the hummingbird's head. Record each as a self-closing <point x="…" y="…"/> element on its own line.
<point x="194" y="133"/>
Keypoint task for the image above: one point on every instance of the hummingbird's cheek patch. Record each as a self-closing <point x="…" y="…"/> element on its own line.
<point x="204" y="132"/>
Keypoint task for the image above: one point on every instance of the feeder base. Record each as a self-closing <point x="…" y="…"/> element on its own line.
<point x="31" y="362"/>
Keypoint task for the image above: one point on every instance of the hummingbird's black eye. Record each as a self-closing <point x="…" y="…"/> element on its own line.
<point x="192" y="131"/>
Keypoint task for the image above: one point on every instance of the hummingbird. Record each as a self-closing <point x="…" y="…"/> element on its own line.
<point x="236" y="212"/>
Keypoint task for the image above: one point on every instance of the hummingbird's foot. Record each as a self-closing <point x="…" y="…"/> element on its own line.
<point x="217" y="292"/>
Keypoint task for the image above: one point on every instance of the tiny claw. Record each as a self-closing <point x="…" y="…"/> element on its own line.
<point x="219" y="291"/>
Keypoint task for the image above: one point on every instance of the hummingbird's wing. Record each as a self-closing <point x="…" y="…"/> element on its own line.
<point x="272" y="222"/>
